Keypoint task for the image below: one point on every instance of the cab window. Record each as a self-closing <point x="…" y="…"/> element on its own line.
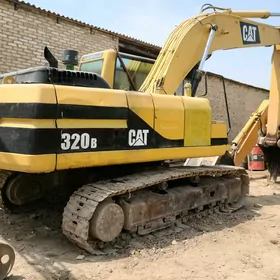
<point x="137" y="69"/>
<point x="94" y="66"/>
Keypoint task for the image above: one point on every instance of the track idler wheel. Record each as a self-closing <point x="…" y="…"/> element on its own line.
<point x="107" y="221"/>
<point x="7" y="260"/>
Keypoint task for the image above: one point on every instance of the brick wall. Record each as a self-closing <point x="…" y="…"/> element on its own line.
<point x="26" y="31"/>
<point x="243" y="100"/>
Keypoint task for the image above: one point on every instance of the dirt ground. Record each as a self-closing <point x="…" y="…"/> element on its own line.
<point x="241" y="245"/>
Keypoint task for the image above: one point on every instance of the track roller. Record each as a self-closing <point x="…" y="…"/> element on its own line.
<point x="107" y="221"/>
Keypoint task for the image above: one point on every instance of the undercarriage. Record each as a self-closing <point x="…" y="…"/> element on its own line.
<point x="101" y="211"/>
<point x="97" y="214"/>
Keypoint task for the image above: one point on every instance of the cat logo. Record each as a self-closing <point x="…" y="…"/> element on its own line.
<point x="250" y="33"/>
<point x="138" y="137"/>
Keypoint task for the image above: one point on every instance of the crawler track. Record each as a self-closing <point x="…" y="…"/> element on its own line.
<point x="146" y="211"/>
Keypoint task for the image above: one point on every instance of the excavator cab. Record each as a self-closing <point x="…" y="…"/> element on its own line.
<point x="115" y="67"/>
<point x="121" y="70"/>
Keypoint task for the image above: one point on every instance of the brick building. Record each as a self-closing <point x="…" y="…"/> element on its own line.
<point x="26" y="30"/>
<point x="243" y="100"/>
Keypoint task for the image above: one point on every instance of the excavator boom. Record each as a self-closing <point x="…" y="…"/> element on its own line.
<point x="186" y="45"/>
<point x="249" y="134"/>
<point x="192" y="42"/>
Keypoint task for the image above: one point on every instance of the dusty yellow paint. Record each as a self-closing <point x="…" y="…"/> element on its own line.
<point x="108" y="58"/>
<point x="169" y="116"/>
<point x="27" y="123"/>
<point x="248" y="136"/>
<point x="218" y="130"/>
<point x="66" y="161"/>
<point x="142" y="105"/>
<point x="28" y="163"/>
<point x="18" y="93"/>
<point x="70" y="123"/>
<point x="185" y="46"/>
<point x="273" y="118"/>
<point x="197" y="121"/>
<point x="91" y="96"/>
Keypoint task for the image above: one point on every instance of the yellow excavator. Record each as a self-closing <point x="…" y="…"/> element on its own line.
<point x="61" y="127"/>
<point x="127" y="72"/>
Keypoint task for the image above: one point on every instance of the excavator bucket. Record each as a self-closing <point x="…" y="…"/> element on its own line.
<point x="7" y="260"/>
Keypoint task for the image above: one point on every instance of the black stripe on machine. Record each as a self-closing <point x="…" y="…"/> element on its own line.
<point x="92" y="112"/>
<point x="219" y="141"/>
<point x="59" y="111"/>
<point x="28" y="110"/>
<point x="137" y="135"/>
<point x="51" y="141"/>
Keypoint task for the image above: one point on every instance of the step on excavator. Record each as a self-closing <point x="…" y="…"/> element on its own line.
<point x="118" y="148"/>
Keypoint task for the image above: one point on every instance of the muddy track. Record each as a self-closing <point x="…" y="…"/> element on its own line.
<point x="84" y="202"/>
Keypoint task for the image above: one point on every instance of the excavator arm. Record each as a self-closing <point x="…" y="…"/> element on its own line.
<point x="249" y="134"/>
<point x="194" y="40"/>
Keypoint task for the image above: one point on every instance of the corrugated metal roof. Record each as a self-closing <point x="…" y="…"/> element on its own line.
<point x="122" y="36"/>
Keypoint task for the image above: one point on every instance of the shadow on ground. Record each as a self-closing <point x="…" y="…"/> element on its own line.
<point x="14" y="277"/>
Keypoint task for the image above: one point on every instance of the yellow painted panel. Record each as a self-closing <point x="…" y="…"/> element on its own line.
<point x="169" y="116"/>
<point x="27" y="123"/>
<point x="78" y="160"/>
<point x="20" y="93"/>
<point x="219" y="130"/>
<point x="70" y="123"/>
<point x="108" y="69"/>
<point x="109" y="62"/>
<point x="91" y="96"/>
<point x="27" y="163"/>
<point x="197" y="121"/>
<point x="142" y="104"/>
